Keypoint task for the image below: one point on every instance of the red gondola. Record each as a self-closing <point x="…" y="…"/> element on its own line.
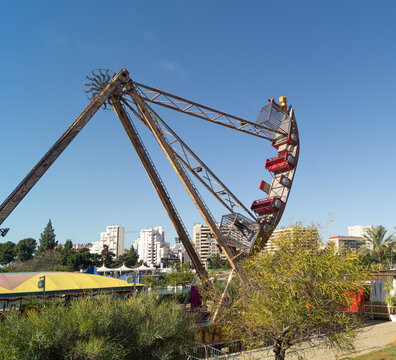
<point x="266" y="206"/>
<point x="281" y="163"/>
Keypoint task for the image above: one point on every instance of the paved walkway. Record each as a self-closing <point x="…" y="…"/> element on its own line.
<point x="374" y="336"/>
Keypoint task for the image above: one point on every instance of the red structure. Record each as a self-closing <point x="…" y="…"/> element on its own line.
<point x="264" y="186"/>
<point x="266" y="206"/>
<point x="283" y="162"/>
<point x="357" y="302"/>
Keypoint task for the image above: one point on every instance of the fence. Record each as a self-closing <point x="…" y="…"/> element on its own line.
<point x="202" y="351"/>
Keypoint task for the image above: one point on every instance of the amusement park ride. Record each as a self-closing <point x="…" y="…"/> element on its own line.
<point x="237" y="235"/>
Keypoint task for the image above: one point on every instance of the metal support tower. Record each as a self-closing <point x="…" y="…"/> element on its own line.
<point x="159" y="187"/>
<point x="275" y="123"/>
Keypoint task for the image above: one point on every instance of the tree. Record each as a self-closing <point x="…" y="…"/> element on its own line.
<point x="130" y="259"/>
<point x="181" y="276"/>
<point x="376" y="237"/>
<point x="68" y="246"/>
<point x="81" y="260"/>
<point x="50" y="260"/>
<point x="107" y="256"/>
<point x="216" y="262"/>
<point x="293" y="294"/>
<point x="67" y="251"/>
<point x="390" y="253"/>
<point x="47" y="239"/>
<point x="7" y="253"/>
<point x="25" y="249"/>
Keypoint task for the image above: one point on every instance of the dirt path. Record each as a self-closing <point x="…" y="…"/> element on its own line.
<point x="375" y="335"/>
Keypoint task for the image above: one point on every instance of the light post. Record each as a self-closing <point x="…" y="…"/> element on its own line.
<point x="41" y="284"/>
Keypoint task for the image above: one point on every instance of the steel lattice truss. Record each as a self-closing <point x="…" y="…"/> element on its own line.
<point x="238" y="235"/>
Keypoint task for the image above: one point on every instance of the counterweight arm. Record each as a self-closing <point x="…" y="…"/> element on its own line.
<point x="185" y="106"/>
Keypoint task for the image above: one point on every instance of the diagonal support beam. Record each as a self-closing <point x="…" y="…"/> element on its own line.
<point x="144" y="110"/>
<point x="49" y="158"/>
<point x="160" y="188"/>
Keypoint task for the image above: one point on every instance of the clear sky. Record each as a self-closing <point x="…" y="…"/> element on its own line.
<point x="334" y="60"/>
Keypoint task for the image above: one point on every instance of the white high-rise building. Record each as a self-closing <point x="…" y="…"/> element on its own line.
<point x="345" y="243"/>
<point x="205" y="243"/>
<point x="95" y="248"/>
<point x="113" y="237"/>
<point x="360" y="231"/>
<point x="308" y="234"/>
<point x="151" y="246"/>
<point x="180" y="253"/>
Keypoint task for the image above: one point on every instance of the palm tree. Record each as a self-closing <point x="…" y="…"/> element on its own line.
<point x="376" y="237"/>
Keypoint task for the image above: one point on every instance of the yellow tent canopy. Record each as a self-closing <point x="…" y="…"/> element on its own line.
<point x="27" y="283"/>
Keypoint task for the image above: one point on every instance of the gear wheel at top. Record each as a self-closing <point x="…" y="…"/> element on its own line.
<point x="97" y="81"/>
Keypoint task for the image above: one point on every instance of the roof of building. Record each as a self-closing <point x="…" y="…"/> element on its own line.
<point x="26" y="283"/>
<point x="144" y="267"/>
<point x="125" y="268"/>
<point x="103" y="268"/>
<point x="346" y="236"/>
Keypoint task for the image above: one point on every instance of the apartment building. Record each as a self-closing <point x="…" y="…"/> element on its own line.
<point x="360" y="231"/>
<point x="309" y="234"/>
<point x="151" y="246"/>
<point x="344" y="243"/>
<point x="205" y="243"/>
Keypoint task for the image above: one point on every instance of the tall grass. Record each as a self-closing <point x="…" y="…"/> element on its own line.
<point x="107" y="328"/>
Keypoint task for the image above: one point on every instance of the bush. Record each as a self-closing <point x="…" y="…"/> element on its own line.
<point x="49" y="260"/>
<point x="107" y="328"/>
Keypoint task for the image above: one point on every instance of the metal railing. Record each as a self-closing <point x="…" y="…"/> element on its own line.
<point x="202" y="351"/>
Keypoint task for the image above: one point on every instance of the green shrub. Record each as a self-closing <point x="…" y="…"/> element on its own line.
<point x="390" y="300"/>
<point x="93" y="329"/>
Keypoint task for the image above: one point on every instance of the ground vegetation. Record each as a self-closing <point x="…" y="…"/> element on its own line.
<point x="181" y="275"/>
<point x="216" y="262"/>
<point x="107" y="328"/>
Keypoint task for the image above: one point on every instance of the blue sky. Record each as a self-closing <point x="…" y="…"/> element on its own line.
<point x="334" y="60"/>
